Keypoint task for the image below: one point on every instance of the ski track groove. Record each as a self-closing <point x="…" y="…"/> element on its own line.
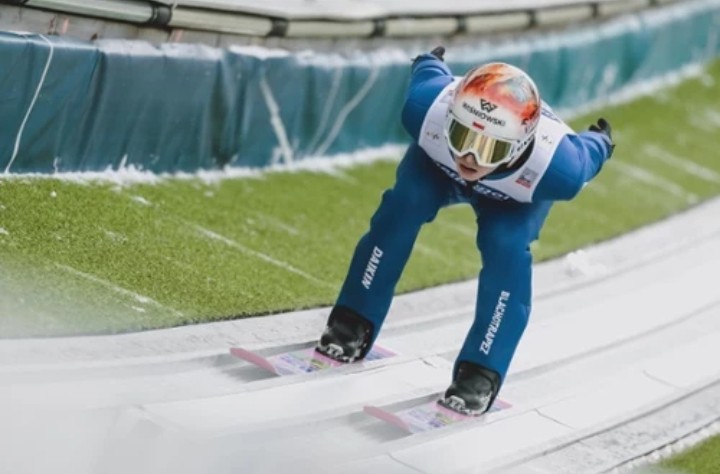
<point x="337" y="418"/>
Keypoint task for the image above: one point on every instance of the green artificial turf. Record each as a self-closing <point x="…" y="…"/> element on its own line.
<point x="702" y="459"/>
<point x="98" y="257"/>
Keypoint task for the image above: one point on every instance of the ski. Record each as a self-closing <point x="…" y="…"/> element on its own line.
<point x="426" y="416"/>
<point x="302" y="361"/>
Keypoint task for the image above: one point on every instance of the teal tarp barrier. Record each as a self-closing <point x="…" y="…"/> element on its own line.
<point x="73" y="106"/>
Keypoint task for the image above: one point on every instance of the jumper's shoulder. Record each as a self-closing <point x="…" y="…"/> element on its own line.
<point x="420" y="100"/>
<point x="552" y="125"/>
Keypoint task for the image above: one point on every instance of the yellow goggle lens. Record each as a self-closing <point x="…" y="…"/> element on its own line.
<point x="487" y="151"/>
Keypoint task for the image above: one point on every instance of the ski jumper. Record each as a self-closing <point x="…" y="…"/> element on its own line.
<point x="511" y="206"/>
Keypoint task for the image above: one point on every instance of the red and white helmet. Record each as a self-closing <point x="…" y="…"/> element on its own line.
<point x="494" y="114"/>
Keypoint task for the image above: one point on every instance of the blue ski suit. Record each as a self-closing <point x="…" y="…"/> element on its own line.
<point x="511" y="206"/>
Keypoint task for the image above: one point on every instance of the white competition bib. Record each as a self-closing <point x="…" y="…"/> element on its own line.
<point x="520" y="184"/>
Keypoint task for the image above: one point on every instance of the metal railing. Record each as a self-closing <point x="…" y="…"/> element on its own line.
<point x="301" y="18"/>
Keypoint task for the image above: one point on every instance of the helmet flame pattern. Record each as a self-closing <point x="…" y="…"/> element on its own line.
<point x="494" y="114"/>
<point x="501" y="84"/>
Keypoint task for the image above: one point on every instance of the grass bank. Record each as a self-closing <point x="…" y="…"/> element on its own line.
<point x="99" y="257"/>
<point x="701" y="459"/>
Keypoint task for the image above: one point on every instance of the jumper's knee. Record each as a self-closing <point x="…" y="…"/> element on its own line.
<point x="504" y="243"/>
<point x="405" y="208"/>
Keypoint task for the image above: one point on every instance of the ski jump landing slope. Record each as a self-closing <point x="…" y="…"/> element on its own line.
<point x="620" y="359"/>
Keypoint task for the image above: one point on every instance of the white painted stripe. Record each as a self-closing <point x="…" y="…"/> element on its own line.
<point x="266" y="258"/>
<point x="652" y="179"/>
<point x="428" y="251"/>
<point x="689" y="167"/>
<point x="118" y="289"/>
<point x="18" y="138"/>
<point x="277" y="223"/>
<point x="637" y="89"/>
<point x="597" y="187"/>
<point x="462" y="229"/>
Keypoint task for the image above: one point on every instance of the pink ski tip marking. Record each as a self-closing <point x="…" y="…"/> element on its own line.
<point x="386" y="416"/>
<point x="500" y="405"/>
<point x="254" y="358"/>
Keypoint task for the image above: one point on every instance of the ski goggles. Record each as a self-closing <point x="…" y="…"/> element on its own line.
<point x="487" y="151"/>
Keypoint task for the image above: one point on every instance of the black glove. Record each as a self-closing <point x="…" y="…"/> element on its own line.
<point x="438" y="52"/>
<point x="603" y="126"/>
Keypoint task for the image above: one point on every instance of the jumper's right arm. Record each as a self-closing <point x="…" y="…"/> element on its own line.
<point x="577" y="160"/>
<point x="428" y="77"/>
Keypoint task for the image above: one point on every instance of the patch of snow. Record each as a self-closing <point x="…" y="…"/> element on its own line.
<point x="260" y="52"/>
<point x="142" y="299"/>
<point x="115" y="236"/>
<point x="707" y="80"/>
<point x="141" y="200"/>
<point x="712" y="117"/>
<point x="580" y="263"/>
<point x="130" y="174"/>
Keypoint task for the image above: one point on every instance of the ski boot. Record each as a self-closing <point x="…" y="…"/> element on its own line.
<point x="473" y="390"/>
<point x="346" y="337"/>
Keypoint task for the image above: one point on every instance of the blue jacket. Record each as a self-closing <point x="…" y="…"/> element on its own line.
<point x="577" y="159"/>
